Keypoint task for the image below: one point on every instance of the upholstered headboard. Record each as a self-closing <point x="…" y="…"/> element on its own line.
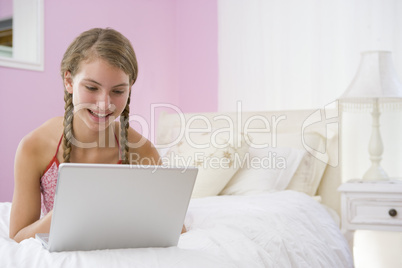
<point x="293" y="128"/>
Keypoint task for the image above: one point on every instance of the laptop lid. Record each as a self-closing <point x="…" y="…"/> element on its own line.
<point x="102" y="206"/>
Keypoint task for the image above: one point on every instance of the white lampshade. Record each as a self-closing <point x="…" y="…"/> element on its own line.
<point x="376" y="78"/>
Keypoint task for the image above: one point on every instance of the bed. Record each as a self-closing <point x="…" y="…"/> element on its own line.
<point x="266" y="196"/>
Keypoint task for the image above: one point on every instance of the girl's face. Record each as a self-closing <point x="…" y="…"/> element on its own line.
<point x="100" y="92"/>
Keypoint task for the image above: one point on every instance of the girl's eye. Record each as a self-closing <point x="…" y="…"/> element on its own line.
<point x="91" y="88"/>
<point x="118" y="91"/>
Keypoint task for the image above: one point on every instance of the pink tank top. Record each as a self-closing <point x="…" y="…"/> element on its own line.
<point x="49" y="180"/>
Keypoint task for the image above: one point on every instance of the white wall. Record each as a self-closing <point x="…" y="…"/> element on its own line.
<point x="293" y="54"/>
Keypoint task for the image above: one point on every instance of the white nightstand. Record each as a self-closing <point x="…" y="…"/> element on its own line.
<point x="371" y="205"/>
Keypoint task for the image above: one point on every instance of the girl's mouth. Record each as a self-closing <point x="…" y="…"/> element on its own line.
<point x="99" y="115"/>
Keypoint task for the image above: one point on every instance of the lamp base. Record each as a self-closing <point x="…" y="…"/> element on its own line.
<point x="375" y="172"/>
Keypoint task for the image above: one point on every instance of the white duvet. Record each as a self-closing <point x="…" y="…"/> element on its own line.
<point x="282" y="229"/>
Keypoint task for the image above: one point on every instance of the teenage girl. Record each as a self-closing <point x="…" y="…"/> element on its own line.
<point x="98" y="71"/>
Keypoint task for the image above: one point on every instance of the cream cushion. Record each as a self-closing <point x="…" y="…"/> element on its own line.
<point x="309" y="173"/>
<point x="216" y="160"/>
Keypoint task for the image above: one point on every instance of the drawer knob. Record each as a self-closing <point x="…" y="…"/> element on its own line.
<point x="392" y="212"/>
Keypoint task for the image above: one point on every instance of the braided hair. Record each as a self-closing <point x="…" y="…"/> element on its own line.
<point x="114" y="48"/>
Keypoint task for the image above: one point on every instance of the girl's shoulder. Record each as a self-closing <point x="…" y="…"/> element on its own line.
<point x="133" y="137"/>
<point x="41" y="143"/>
<point x="141" y="146"/>
<point x="144" y="148"/>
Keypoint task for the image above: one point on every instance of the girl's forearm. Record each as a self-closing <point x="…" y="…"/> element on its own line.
<point x="40" y="226"/>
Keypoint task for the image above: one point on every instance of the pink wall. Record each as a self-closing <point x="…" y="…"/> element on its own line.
<point x="6" y="9"/>
<point x="176" y="46"/>
<point x="197" y="50"/>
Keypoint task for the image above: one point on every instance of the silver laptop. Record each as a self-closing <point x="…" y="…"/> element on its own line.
<point x="100" y="206"/>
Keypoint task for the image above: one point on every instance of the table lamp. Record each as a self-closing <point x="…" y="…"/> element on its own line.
<point x="374" y="88"/>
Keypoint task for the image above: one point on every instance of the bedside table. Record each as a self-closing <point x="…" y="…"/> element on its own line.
<point x="371" y="205"/>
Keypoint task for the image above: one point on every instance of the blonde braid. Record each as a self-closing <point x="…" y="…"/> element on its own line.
<point x="68" y="126"/>
<point x="124" y="125"/>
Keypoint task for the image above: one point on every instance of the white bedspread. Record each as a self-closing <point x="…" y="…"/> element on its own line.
<point x="283" y="229"/>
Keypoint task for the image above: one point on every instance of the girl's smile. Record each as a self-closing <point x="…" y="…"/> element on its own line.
<point x="98" y="117"/>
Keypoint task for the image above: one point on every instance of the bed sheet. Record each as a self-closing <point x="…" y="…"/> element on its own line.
<point x="281" y="229"/>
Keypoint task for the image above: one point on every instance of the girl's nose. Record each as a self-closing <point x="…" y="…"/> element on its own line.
<point x="103" y="103"/>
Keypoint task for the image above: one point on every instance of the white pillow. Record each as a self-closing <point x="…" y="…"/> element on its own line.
<point x="216" y="161"/>
<point x="312" y="167"/>
<point x="264" y="170"/>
